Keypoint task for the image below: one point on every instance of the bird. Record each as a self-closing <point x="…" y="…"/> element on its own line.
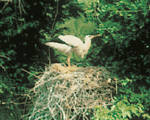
<point x="73" y="44"/>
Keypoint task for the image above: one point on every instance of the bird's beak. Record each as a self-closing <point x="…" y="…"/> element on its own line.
<point x="93" y="36"/>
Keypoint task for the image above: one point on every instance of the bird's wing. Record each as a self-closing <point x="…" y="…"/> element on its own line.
<point x="61" y="47"/>
<point x="71" y="40"/>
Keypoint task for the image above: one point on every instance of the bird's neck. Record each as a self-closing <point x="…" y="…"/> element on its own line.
<point x="88" y="43"/>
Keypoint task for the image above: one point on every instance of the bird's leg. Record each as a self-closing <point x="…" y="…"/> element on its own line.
<point x="68" y="60"/>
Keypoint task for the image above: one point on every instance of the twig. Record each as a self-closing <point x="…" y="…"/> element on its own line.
<point x="30" y="73"/>
<point x="49" y="57"/>
<point x="130" y="11"/>
<point x="116" y="84"/>
<point x="23" y="8"/>
<point x="55" y="17"/>
<point x="20" y="7"/>
<point x="3" y="67"/>
<point x="14" y="102"/>
<point x="4" y="5"/>
<point x="62" y="111"/>
<point x="4" y="56"/>
<point x="6" y="0"/>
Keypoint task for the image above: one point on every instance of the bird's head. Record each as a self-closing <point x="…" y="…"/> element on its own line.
<point x="91" y="36"/>
<point x="88" y="37"/>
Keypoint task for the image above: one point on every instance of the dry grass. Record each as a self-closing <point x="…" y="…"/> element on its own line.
<point x="64" y="93"/>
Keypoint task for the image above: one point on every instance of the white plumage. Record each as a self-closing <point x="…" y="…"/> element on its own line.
<point x="61" y="47"/>
<point x="79" y="47"/>
<point x="71" y="40"/>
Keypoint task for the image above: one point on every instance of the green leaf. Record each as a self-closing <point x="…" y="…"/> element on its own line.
<point x="89" y="11"/>
<point x="129" y="114"/>
<point x="41" y="3"/>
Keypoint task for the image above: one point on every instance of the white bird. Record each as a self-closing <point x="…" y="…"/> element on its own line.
<point x="79" y="47"/>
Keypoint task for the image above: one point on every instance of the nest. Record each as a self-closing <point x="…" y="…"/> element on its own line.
<point x="67" y="93"/>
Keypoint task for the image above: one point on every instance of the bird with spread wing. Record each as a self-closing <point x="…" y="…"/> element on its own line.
<point x="79" y="47"/>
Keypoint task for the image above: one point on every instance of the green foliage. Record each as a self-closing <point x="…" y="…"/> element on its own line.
<point x="124" y="28"/>
<point x="126" y="105"/>
<point x="7" y="114"/>
<point x="121" y="110"/>
<point x="79" y="27"/>
<point x="2" y="88"/>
